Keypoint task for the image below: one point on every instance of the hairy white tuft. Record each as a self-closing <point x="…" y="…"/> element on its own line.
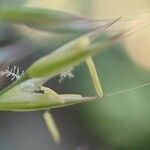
<point x="65" y="74"/>
<point x="13" y="72"/>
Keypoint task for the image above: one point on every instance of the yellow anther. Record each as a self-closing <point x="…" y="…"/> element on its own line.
<point x="50" y="92"/>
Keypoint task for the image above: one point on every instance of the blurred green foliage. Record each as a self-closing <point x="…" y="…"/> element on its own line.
<point x="11" y="3"/>
<point x="120" y="121"/>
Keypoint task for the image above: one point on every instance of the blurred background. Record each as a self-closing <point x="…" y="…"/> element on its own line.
<point x="117" y="122"/>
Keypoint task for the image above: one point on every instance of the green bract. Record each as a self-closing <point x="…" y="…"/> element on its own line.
<point x="61" y="59"/>
<point x="28" y="96"/>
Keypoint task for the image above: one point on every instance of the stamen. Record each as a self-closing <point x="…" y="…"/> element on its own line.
<point x="65" y="74"/>
<point x="13" y="72"/>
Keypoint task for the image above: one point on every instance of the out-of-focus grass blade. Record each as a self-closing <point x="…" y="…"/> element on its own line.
<point x="52" y="126"/>
<point x="46" y="19"/>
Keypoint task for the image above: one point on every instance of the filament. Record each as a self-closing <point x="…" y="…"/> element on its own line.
<point x="128" y="90"/>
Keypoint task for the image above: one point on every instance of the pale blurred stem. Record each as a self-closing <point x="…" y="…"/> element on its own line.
<point x="94" y="76"/>
<point x="52" y="128"/>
